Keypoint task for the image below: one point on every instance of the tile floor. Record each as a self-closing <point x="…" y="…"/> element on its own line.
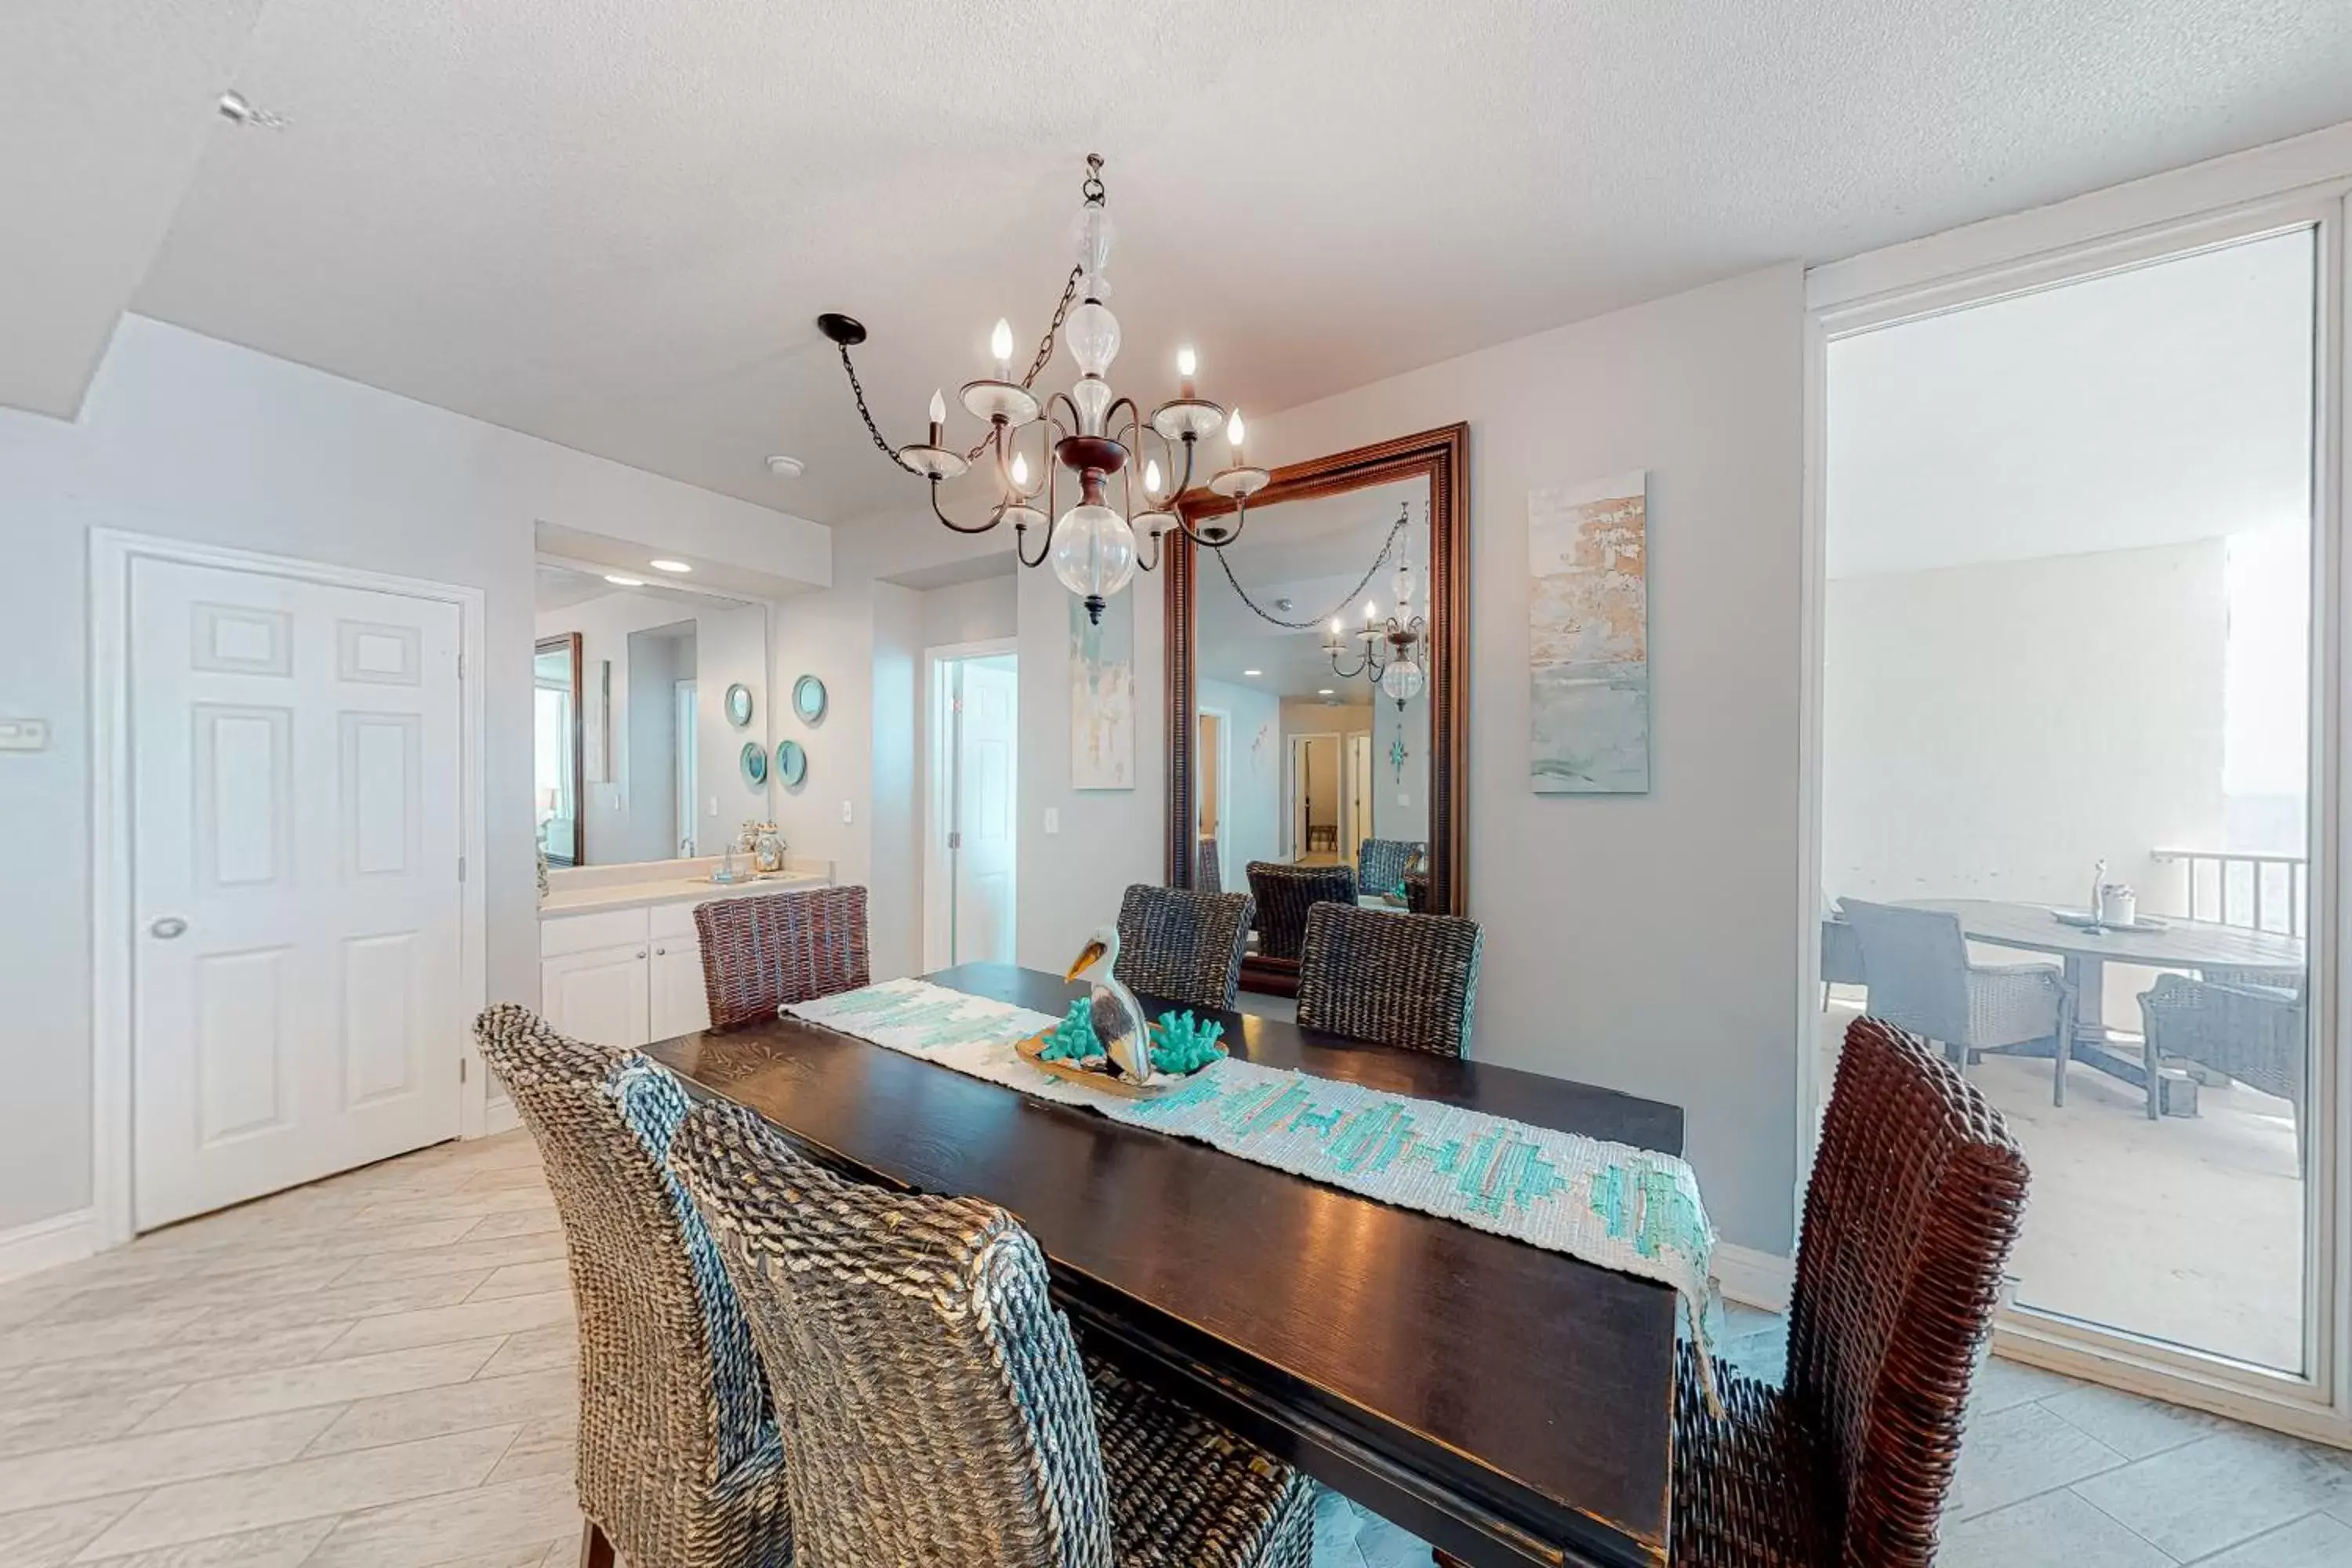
<point x="376" y="1372"/>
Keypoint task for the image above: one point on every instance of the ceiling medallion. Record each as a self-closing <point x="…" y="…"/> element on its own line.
<point x="1097" y="437"/>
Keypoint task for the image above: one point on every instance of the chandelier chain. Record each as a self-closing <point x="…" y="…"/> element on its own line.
<point x="1349" y="598"/>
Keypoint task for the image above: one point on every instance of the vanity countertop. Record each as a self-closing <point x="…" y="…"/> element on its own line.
<point x="600" y="894"/>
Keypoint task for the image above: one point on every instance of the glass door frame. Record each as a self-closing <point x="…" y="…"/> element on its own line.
<point x="2107" y="233"/>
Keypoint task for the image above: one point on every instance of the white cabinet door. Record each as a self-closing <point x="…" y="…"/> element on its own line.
<point x="295" y="775"/>
<point x="681" y="1003"/>
<point x="601" y="996"/>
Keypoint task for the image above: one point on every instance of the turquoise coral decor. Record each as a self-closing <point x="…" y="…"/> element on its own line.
<point x="1073" y="1038"/>
<point x="1186" y="1044"/>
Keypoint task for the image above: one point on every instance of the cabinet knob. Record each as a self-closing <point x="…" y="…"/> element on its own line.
<point x="641" y="952"/>
<point x="659" y="952"/>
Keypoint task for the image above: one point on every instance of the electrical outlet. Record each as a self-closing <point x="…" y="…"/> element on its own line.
<point x="1053" y="820"/>
<point x="848" y="811"/>
<point x="23" y="734"/>
<point x="1404" y="799"/>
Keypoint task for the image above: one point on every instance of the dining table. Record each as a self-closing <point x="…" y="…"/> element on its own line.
<point x="1507" y="1404"/>
<point x="2084" y="952"/>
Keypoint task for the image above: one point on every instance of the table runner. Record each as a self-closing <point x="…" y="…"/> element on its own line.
<point x="1636" y="1211"/>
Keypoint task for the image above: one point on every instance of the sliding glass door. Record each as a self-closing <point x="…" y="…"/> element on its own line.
<point x="2072" y="719"/>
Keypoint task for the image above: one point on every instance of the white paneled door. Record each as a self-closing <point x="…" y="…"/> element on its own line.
<point x="988" y="738"/>
<point x="296" y="762"/>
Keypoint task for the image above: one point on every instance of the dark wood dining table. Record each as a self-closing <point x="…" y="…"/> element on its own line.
<point x="1507" y="1404"/>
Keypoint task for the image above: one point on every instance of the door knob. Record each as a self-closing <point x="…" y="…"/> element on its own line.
<point x="168" y="927"/>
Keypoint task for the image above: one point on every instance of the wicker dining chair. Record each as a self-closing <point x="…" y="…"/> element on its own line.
<point x="1393" y="978"/>
<point x="1381" y="863"/>
<point x="1286" y="892"/>
<point x="1416" y="893"/>
<point x="937" y="1408"/>
<point x="1913" y="1205"/>
<point x="1183" y="947"/>
<point x="759" y="952"/>
<point x="678" y="1461"/>
<point x="1211" y="877"/>
<point x="1917" y="966"/>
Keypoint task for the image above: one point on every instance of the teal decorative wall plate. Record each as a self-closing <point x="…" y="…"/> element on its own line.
<point x="791" y="764"/>
<point x="808" y="699"/>
<point x="755" y="764"/>
<point x="739" y="705"/>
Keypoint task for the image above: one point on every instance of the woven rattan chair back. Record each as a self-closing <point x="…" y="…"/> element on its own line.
<point x="759" y="953"/>
<point x="1416" y="892"/>
<point x="1913" y="1205"/>
<point x="1286" y="892"/>
<point x="1916" y="962"/>
<point x="1381" y="863"/>
<point x="1211" y="877"/>
<point x="1182" y="947"/>
<point x="675" y="1420"/>
<point x="1395" y="979"/>
<point x="935" y="1409"/>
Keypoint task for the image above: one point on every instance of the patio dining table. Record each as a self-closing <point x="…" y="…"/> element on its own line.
<point x="2198" y="945"/>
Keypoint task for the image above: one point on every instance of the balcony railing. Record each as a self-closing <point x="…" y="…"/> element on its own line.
<point x="2232" y="886"/>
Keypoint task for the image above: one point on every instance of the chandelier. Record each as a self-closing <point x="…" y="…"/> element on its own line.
<point x="1390" y="658"/>
<point x="1089" y="430"/>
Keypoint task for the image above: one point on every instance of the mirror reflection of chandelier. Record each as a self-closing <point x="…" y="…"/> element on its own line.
<point x="1089" y="430"/>
<point x="1392" y="655"/>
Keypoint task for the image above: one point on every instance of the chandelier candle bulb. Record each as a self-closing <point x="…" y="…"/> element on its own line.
<point x="1235" y="431"/>
<point x="938" y="416"/>
<point x="1000" y="343"/>
<point x="1151" y="479"/>
<point x="1186" y="365"/>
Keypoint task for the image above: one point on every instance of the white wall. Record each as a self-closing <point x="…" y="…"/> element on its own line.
<point x="1648" y="942"/>
<point x="1253" y="800"/>
<point x="972" y="612"/>
<point x="1990" y="731"/>
<point x="1401" y="798"/>
<point x="185" y="436"/>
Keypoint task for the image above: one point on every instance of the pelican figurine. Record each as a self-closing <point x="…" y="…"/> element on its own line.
<point x="1117" y="1015"/>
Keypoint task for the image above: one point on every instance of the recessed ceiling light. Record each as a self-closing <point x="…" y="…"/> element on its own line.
<point x="1326" y="691"/>
<point x="785" y="467"/>
<point x="618" y="581"/>
<point x="669" y="566"/>
<point x="1252" y="674"/>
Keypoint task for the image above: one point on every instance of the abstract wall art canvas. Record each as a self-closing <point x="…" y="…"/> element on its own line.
<point x="1102" y="695"/>
<point x="1589" y="637"/>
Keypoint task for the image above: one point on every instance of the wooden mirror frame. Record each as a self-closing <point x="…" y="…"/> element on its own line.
<point x="1442" y="456"/>
<point x="568" y="643"/>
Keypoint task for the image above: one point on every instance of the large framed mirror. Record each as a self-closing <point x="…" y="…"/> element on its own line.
<point x="1317" y="725"/>
<point x="557" y="749"/>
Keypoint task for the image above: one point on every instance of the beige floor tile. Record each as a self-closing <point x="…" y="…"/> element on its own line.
<point x="2315" y="1541"/>
<point x="456" y="1407"/>
<point x="2133" y="1427"/>
<point x="433" y="1325"/>
<point x="467" y="1257"/>
<point x="536" y="1350"/>
<point x="33" y="1345"/>
<point x="127" y="1464"/>
<point x="2220" y="1490"/>
<point x="337" y="1303"/>
<point x="307" y="1489"/>
<point x="279" y="1546"/>
<point x="2054" y="1527"/>
<point x="320" y="1383"/>
<point x="2019" y="1453"/>
<point x="524" y="1279"/>
<point x="530" y="1193"/>
<point x="547" y="1446"/>
<point x="540" y="1221"/>
<point x="46" y="1537"/>
<point x="2001" y="1384"/>
<point x="503" y="1519"/>
<point x="130" y="1371"/>
<point x="26" y="1428"/>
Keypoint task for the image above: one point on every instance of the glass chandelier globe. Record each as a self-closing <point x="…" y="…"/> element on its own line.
<point x="1402" y="679"/>
<point x="1093" y="552"/>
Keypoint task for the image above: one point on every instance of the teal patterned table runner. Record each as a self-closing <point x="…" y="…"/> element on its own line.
<point x="1636" y="1211"/>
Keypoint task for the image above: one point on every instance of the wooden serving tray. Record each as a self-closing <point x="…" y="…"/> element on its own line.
<point x="1109" y="1083"/>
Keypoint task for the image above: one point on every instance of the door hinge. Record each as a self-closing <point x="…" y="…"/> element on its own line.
<point x="956" y="706"/>
<point x="461" y="664"/>
<point x="461" y="1069"/>
<point x="955" y="838"/>
<point x="461" y="868"/>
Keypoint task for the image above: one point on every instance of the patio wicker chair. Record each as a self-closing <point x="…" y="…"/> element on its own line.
<point x="1381" y="863"/>
<point x="1393" y="979"/>
<point x="1913" y="1206"/>
<point x="1211" y="877"/>
<point x="1286" y="892"/>
<point x="1841" y="956"/>
<point x="677" y="1461"/>
<point x="759" y="952"/>
<point x="1921" y="980"/>
<point x="1183" y="947"/>
<point x="937" y="1408"/>
<point x="2256" y="1033"/>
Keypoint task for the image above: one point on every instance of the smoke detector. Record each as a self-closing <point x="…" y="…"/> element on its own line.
<point x="785" y="467"/>
<point x="235" y="108"/>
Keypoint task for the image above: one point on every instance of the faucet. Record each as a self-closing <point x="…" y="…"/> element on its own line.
<point x="686" y="848"/>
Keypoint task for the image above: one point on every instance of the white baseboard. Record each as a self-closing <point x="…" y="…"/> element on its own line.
<point x="46" y="1243"/>
<point x="1752" y="1279"/>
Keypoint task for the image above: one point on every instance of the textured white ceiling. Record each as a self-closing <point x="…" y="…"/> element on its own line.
<point x="609" y="223"/>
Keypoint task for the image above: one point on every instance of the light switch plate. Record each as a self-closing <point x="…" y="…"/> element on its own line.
<point x="847" y="812"/>
<point x="1053" y="820"/>
<point x="23" y="734"/>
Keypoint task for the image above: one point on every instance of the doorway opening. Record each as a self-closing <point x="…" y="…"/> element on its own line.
<point x="970" y="887"/>
<point x="1315" y="798"/>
